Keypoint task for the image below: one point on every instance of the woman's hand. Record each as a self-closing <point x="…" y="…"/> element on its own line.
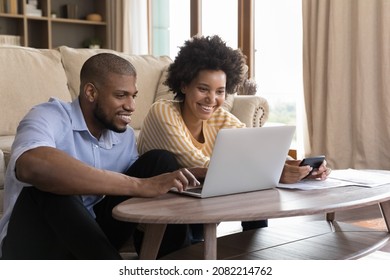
<point x="321" y="173"/>
<point x="293" y="173"/>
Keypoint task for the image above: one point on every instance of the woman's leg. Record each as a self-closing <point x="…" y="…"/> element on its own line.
<point x="49" y="226"/>
<point x="152" y="163"/>
<point x="254" y="224"/>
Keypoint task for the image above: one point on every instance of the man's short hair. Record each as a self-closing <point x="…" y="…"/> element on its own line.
<point x="96" y="68"/>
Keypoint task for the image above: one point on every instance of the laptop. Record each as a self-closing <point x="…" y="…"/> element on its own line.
<point x="245" y="160"/>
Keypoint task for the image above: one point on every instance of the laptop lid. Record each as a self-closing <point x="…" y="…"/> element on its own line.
<point x="246" y="159"/>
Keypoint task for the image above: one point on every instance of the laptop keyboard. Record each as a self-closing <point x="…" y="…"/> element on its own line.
<point x="194" y="190"/>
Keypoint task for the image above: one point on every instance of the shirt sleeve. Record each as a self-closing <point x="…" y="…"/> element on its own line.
<point x="35" y="130"/>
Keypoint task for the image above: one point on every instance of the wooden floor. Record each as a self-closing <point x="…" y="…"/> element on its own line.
<point x="367" y="217"/>
<point x="370" y="217"/>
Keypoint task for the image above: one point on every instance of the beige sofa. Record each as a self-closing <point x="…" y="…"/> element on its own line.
<point x="30" y="76"/>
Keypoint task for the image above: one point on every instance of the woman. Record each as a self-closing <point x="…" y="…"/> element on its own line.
<point x="204" y="71"/>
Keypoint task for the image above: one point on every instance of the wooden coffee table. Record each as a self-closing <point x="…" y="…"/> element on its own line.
<point x="171" y="208"/>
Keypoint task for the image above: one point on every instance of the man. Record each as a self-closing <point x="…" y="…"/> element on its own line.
<point x="66" y="170"/>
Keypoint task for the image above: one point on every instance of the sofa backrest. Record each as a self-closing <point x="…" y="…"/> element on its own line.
<point x="149" y="69"/>
<point x="31" y="76"/>
<point x="28" y="77"/>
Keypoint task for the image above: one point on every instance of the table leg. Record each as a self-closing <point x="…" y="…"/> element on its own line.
<point x="330" y="216"/>
<point x="152" y="240"/>
<point x="210" y="241"/>
<point x="385" y="208"/>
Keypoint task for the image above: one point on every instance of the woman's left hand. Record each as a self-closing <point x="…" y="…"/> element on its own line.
<point x="293" y="173"/>
<point x="321" y="173"/>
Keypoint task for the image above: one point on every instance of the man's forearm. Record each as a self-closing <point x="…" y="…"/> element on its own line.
<point x="52" y="170"/>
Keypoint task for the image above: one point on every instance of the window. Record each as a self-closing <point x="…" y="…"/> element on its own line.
<point x="278" y="46"/>
<point x="278" y="59"/>
<point x="221" y="17"/>
<point x="170" y="28"/>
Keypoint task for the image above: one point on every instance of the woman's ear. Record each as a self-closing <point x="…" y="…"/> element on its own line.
<point x="183" y="88"/>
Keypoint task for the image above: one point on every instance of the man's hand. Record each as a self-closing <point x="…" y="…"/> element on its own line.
<point x="157" y="185"/>
<point x="199" y="172"/>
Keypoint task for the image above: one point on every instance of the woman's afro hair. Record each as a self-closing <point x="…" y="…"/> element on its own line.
<point x="205" y="53"/>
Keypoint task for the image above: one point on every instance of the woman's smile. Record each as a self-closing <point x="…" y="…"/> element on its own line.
<point x="207" y="108"/>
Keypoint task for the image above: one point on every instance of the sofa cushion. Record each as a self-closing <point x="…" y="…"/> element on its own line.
<point x="228" y="104"/>
<point x="5" y="154"/>
<point x="28" y="77"/>
<point x="149" y="69"/>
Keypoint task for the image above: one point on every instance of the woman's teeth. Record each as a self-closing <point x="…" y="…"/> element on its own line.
<point x="206" y="108"/>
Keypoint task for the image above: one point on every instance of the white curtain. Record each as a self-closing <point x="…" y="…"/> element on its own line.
<point x="346" y="50"/>
<point x="129" y="26"/>
<point x="137" y="24"/>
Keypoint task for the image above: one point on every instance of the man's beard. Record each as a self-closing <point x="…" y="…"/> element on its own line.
<point x="103" y="119"/>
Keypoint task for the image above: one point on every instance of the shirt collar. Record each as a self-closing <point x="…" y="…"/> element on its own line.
<point x="108" y="138"/>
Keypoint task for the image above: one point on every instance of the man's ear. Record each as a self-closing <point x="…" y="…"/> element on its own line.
<point x="90" y="92"/>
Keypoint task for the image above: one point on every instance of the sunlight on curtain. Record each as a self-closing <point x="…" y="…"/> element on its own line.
<point x="137" y="27"/>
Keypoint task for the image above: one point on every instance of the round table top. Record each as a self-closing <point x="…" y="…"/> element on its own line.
<point x="272" y="203"/>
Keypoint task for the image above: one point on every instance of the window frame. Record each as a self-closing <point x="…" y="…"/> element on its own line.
<point x="245" y="28"/>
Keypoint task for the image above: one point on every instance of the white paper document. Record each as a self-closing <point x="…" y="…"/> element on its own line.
<point x="344" y="177"/>
<point x="368" y="178"/>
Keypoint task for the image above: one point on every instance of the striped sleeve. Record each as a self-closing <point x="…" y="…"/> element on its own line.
<point x="224" y="119"/>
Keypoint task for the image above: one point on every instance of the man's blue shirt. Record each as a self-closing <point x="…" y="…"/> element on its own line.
<point x="61" y="125"/>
